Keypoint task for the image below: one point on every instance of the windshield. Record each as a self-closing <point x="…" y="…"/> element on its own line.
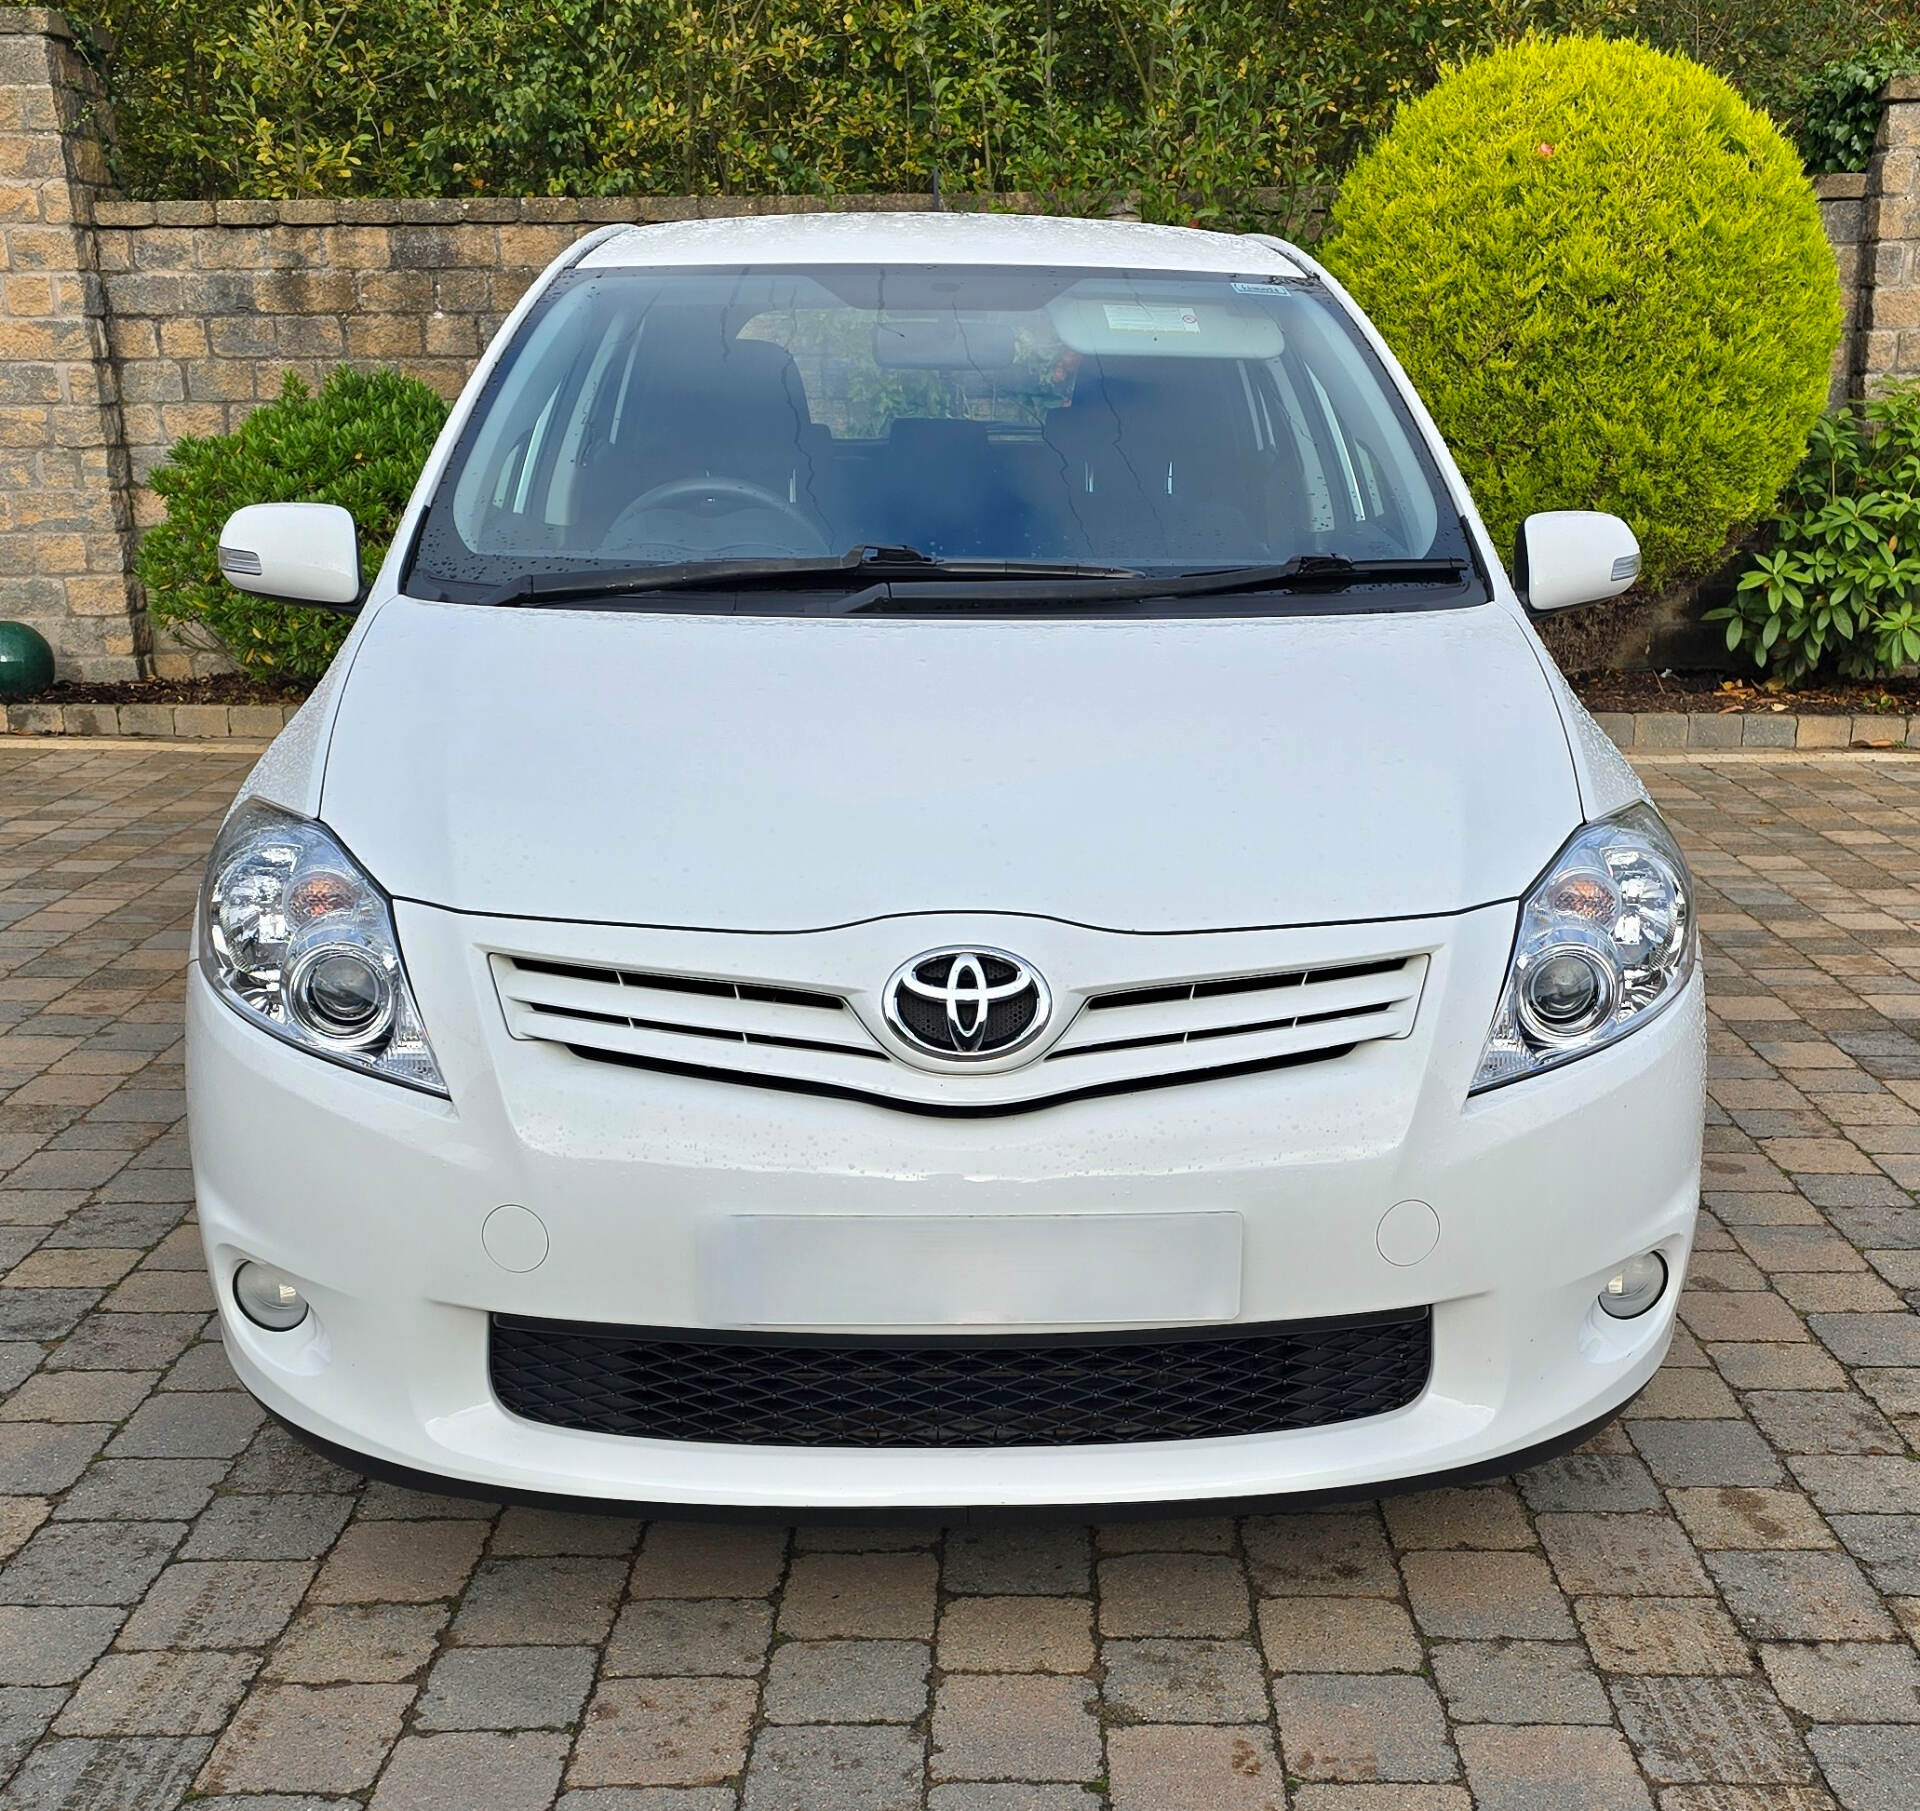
<point x="1159" y="422"/>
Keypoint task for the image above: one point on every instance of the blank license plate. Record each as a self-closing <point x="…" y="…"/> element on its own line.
<point x="969" y="1270"/>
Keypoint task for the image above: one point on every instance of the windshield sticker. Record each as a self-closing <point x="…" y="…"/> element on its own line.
<point x="1147" y="317"/>
<point x="1272" y="290"/>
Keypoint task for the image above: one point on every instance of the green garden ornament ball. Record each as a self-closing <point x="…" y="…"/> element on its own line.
<point x="26" y="662"/>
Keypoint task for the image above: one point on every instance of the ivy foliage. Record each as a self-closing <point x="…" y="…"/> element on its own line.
<point x="1187" y="102"/>
<point x="1840" y="111"/>
<point x="1839" y="588"/>
<point x="360" y="441"/>
<point x="1606" y="274"/>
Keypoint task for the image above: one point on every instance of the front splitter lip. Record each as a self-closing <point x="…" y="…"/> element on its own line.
<point x="958" y="1515"/>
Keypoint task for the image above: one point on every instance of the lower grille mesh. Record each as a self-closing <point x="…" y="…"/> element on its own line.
<point x="1075" y="1390"/>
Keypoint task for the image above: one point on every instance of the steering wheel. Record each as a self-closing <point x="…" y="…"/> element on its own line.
<point x="742" y="492"/>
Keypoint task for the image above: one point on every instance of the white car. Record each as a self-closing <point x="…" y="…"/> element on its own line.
<point x="942" y="874"/>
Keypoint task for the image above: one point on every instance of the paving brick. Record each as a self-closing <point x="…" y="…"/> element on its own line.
<point x="814" y="1769"/>
<point x="39" y="1458"/>
<point x="1338" y="1635"/>
<point x="217" y="1604"/>
<point x="1159" y="1681"/>
<point x="1549" y="1768"/>
<point x="306" y="1738"/>
<point x="1662" y="1635"/>
<point x="89" y="1562"/>
<point x="1869" y="1768"/>
<point x="521" y="1532"/>
<point x="1706" y="1453"/>
<point x="694" y="1559"/>
<point x="1481" y="1596"/>
<point x="1728" y="1516"/>
<point x="399" y="1562"/>
<point x="157" y="1695"/>
<point x="1485" y="1516"/>
<point x="1362" y="1727"/>
<point x="1320" y="1555"/>
<point x="681" y="1637"/>
<point x="189" y="1426"/>
<point x="1615" y="1482"/>
<point x="1846" y="1682"/>
<point x="277" y="1527"/>
<point x="53" y="1646"/>
<point x="1016" y="1635"/>
<point x="562" y="1599"/>
<point x="1195" y="1769"/>
<point x="467" y="1772"/>
<point x="1711" y="1729"/>
<point x="847" y="1682"/>
<point x="89" y="1773"/>
<point x="1041" y="1561"/>
<point x="882" y="1595"/>
<point x="1519" y="1682"/>
<point x="1626" y="1555"/>
<point x="377" y="1644"/>
<point x="1014" y="1727"/>
<point x="1800" y="1596"/>
<point x="1172" y="1594"/>
<point x="663" y="1732"/>
<point x="506" y="1688"/>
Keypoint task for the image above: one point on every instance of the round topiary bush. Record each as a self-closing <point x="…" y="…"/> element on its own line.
<point x="359" y="442"/>
<point x="1606" y="274"/>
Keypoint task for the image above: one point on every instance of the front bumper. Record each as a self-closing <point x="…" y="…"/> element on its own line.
<point x="374" y="1197"/>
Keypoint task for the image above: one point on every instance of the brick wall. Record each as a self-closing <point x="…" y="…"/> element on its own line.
<point x="65" y="516"/>
<point x="124" y="325"/>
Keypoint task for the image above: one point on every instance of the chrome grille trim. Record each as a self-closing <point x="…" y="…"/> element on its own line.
<point x="772" y="1033"/>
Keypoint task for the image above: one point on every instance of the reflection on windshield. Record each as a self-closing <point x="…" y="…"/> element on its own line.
<point x="1157" y="421"/>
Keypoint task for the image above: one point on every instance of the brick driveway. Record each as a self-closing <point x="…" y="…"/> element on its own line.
<point x="1713" y="1607"/>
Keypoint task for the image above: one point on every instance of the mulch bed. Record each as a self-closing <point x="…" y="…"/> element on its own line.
<point x="1598" y="691"/>
<point x="223" y="688"/>
<point x="1715" y="692"/>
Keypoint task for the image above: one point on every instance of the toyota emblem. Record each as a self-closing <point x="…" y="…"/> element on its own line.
<point x="967" y="1005"/>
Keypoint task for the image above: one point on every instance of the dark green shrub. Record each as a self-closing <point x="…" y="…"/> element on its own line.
<point x="1607" y="275"/>
<point x="359" y="442"/>
<point x="1840" y="111"/>
<point x="1839" y="586"/>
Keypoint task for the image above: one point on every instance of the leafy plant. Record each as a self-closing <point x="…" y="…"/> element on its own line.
<point x="359" y="442"/>
<point x="1608" y="277"/>
<point x="1840" y="585"/>
<point x="1840" y="111"/>
<point x="1172" y="99"/>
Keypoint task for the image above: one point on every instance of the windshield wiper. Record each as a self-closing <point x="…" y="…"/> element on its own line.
<point x="860" y="566"/>
<point x="1305" y="572"/>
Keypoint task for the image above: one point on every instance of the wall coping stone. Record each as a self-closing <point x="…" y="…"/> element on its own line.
<point x="594" y="210"/>
<point x="1901" y="88"/>
<point x="1697" y="732"/>
<point x="1847" y="185"/>
<point x="34" y="22"/>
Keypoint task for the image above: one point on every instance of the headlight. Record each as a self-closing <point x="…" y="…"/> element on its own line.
<point x="1605" y="940"/>
<point x="296" y="938"/>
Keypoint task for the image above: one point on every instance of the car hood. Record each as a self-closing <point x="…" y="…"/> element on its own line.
<point x="780" y="773"/>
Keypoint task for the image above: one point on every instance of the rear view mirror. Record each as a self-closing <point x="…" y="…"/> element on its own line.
<point x="941" y="342"/>
<point x="294" y="553"/>
<point x="1564" y="557"/>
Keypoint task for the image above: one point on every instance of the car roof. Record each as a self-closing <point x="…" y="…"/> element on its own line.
<point x="930" y="238"/>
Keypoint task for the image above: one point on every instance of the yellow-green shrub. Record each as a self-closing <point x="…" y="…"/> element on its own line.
<point x="1607" y="276"/>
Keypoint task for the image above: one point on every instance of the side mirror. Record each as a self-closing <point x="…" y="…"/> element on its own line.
<point x="1564" y="557"/>
<point x="294" y="553"/>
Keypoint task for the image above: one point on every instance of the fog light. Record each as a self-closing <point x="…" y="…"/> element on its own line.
<point x="268" y="1297"/>
<point x="1635" y="1286"/>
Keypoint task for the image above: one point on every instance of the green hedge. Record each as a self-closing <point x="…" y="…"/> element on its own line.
<point x="359" y="442"/>
<point x="1607" y="276"/>
<point x="1179" y="99"/>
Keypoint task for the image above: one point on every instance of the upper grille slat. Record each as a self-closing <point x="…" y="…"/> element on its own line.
<point x="773" y="1033"/>
<point x="1253" y="1003"/>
